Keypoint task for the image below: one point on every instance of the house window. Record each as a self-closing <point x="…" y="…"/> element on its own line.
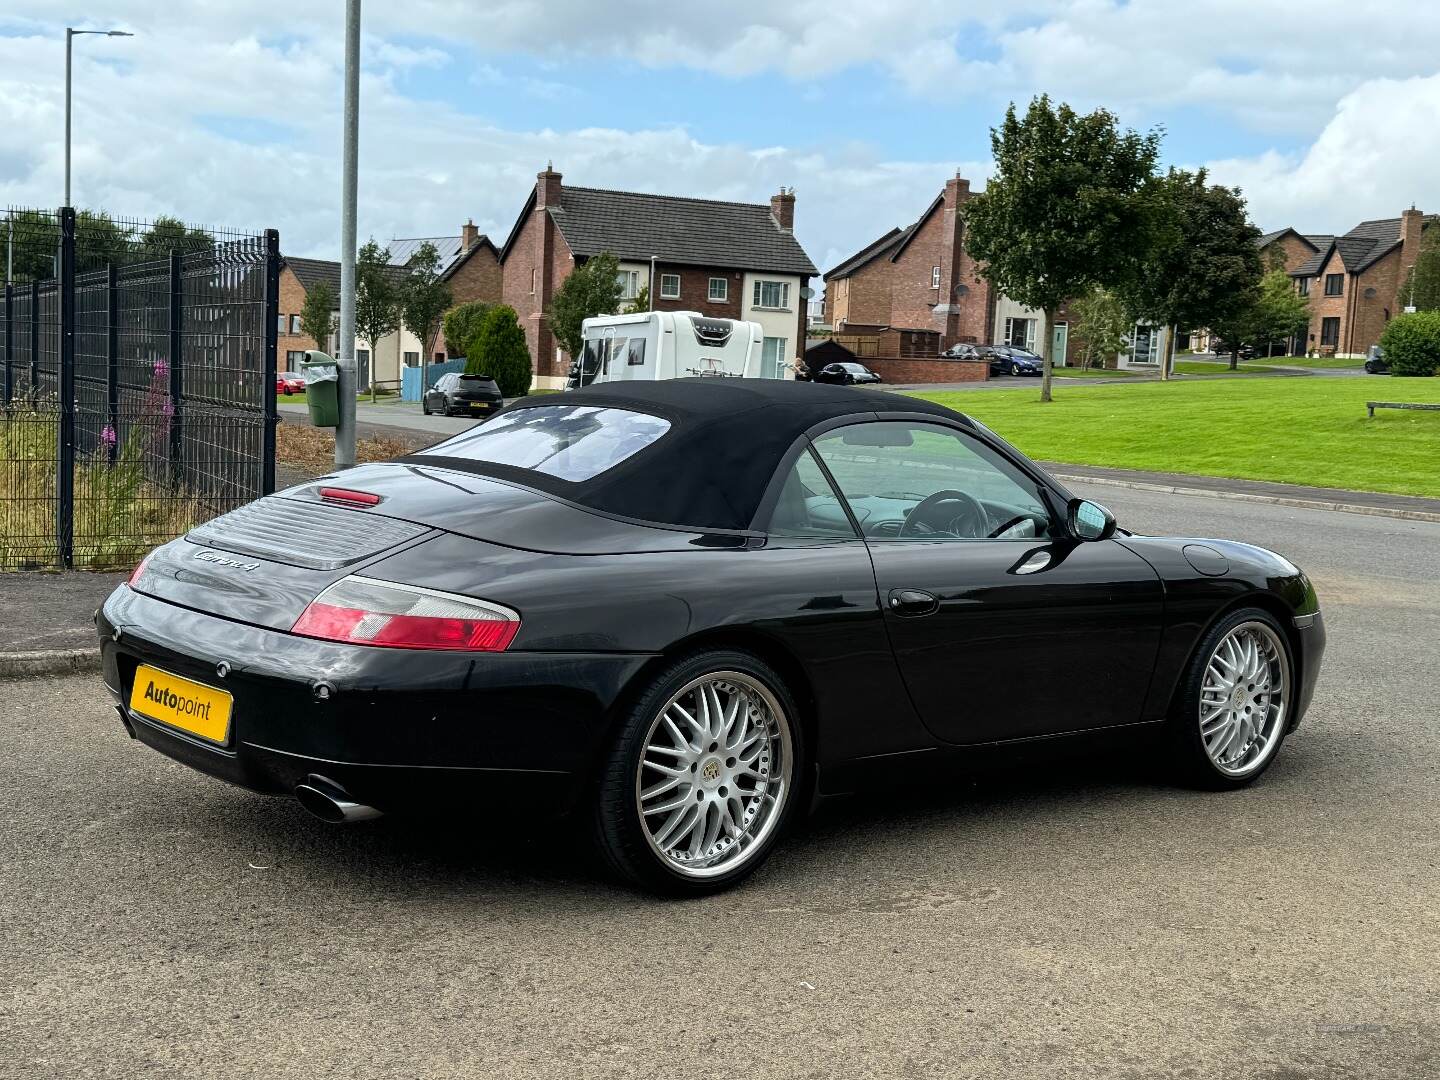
<point x="1334" y="284"/>
<point x="934" y="277"/>
<point x="1330" y="331"/>
<point x="412" y="359"/>
<point x="629" y="281"/>
<point x="772" y="294"/>
<point x="669" y="286"/>
<point x="1303" y="285"/>
<point x="280" y="324"/>
<point x="532" y="281"/>
<point x="439" y="358"/>
<point x="719" y="289"/>
<point x="294" y="324"/>
<point x="772" y="358"/>
<point x="1020" y="334"/>
<point x="293" y="360"/>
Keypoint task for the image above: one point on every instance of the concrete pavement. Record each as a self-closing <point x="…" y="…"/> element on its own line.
<point x="1072" y="917"/>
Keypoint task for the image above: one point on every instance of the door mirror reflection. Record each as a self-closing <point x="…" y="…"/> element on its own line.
<point x="1090" y="521"/>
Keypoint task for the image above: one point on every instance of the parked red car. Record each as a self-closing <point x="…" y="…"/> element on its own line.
<point x="287" y="383"/>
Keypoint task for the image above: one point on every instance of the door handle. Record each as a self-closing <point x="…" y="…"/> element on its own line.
<point x="1038" y="561"/>
<point x="912" y="602"/>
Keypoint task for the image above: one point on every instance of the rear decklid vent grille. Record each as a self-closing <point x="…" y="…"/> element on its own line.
<point x="306" y="534"/>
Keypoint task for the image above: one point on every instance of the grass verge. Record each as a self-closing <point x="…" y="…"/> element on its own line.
<point x="1295" y="431"/>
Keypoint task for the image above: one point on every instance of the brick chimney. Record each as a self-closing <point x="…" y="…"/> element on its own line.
<point x="963" y="302"/>
<point x="957" y="190"/>
<point x="1412" y="221"/>
<point x="468" y="235"/>
<point x="547" y="187"/>
<point x="782" y="208"/>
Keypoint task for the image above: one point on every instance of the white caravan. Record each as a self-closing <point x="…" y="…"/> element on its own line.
<point x="667" y="345"/>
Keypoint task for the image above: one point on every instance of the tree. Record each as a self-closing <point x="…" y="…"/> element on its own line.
<point x="377" y="310"/>
<point x="1069" y="207"/>
<point x="168" y="235"/>
<point x="499" y="350"/>
<point x="1101" y="324"/>
<point x="1278" y="312"/>
<point x="1412" y="343"/>
<point x="641" y="303"/>
<point x="424" y="296"/>
<point x="591" y="289"/>
<point x="1422" y="287"/>
<point x="317" y="314"/>
<point x="1205" y="267"/>
<point x="462" y="323"/>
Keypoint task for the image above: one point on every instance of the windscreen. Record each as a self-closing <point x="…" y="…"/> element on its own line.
<point x="568" y="442"/>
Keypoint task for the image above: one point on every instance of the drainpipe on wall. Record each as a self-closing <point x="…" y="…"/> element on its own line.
<point x="650" y="289"/>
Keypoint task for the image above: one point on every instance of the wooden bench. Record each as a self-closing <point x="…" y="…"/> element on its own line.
<point x="1373" y="405"/>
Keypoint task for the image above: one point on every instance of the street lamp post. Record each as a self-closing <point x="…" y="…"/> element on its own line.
<point x="70" y="35"/>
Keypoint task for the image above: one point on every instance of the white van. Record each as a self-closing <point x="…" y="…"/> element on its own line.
<point x="667" y="345"/>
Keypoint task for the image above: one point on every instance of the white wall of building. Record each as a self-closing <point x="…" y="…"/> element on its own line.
<point x="781" y="323"/>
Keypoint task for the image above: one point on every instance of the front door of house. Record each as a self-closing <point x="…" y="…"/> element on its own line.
<point x="1059" y="339"/>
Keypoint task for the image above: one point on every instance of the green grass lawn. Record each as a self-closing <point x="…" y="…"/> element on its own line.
<point x="1094" y="373"/>
<point x="1312" y="362"/>
<point x="1297" y="431"/>
<point x="299" y="398"/>
<point x="1208" y="367"/>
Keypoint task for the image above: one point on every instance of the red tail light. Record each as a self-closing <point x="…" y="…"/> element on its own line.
<point x="364" y="611"/>
<point x="134" y="579"/>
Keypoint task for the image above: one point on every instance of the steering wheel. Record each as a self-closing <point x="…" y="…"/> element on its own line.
<point x="946" y="513"/>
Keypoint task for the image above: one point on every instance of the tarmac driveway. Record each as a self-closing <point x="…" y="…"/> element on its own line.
<point x="1065" y="917"/>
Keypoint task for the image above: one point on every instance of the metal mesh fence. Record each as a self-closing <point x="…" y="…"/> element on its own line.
<point x="139" y="378"/>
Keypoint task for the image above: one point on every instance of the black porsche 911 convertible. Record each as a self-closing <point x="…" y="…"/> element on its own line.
<point x="685" y="609"/>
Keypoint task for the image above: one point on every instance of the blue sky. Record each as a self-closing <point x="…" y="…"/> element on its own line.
<point x="212" y="114"/>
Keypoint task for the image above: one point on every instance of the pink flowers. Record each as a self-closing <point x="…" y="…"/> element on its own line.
<point x="107" y="436"/>
<point x="162" y="368"/>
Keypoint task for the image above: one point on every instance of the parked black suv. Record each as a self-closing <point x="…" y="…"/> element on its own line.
<point x="469" y="395"/>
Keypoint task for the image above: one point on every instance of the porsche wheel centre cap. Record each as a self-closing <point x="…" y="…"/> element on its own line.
<point x="710" y="771"/>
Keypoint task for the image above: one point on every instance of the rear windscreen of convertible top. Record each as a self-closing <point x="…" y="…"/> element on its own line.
<point x="568" y="442"/>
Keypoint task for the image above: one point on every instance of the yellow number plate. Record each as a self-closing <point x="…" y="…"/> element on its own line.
<point x="189" y="706"/>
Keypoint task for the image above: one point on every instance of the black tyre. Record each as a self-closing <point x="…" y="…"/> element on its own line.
<point x="702" y="777"/>
<point x="1234" y="702"/>
<point x="425" y="404"/>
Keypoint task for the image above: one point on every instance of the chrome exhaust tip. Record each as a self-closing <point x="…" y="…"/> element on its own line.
<point x="330" y="802"/>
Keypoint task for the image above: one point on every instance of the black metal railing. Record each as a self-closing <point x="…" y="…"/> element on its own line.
<point x="138" y="383"/>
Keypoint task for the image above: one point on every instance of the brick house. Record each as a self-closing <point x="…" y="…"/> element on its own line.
<point x="297" y="278"/>
<point x="1289" y="250"/>
<point x="469" y="263"/>
<point x="1355" y="282"/>
<point x="723" y="259"/>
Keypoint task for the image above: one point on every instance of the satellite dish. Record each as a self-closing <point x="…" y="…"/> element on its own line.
<point x="961" y="289"/>
<point x="806" y="293"/>
<point x="1370" y="293"/>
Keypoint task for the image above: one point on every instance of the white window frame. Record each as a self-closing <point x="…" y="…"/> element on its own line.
<point x="782" y="287"/>
<point x="772" y="356"/>
<point x="934" y="277"/>
<point x="724" y="294"/>
<point x="629" y="284"/>
<point x="1029" y="345"/>
<point x="665" y="293"/>
<point x="532" y="281"/>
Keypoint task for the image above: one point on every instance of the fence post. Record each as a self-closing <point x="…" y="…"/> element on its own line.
<point x="65" y="480"/>
<point x="177" y="383"/>
<point x="270" y="415"/>
<point x="9" y="344"/>
<point x="34" y="343"/>
<point x="112" y="358"/>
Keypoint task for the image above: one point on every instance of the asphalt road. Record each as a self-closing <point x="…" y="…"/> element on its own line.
<point x="1075" y="918"/>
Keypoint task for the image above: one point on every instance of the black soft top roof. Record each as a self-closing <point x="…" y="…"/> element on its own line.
<point x="710" y="470"/>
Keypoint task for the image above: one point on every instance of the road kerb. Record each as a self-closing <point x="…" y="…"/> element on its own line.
<point x="14" y="665"/>
<point x="1247" y="496"/>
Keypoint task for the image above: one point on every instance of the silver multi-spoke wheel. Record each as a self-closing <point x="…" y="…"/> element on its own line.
<point x="1244" y="698"/>
<point x="714" y="774"/>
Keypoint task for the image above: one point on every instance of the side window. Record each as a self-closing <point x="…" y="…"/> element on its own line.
<point x="808" y="505"/>
<point x="915" y="481"/>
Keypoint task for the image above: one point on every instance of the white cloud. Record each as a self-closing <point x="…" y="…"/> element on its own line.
<point x="1376" y="156"/>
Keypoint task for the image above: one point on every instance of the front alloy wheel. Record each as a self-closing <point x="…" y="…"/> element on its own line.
<point x="1232" y="716"/>
<point x="702" y="777"/>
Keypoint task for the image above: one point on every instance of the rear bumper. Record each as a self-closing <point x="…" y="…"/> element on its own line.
<point x="394" y="727"/>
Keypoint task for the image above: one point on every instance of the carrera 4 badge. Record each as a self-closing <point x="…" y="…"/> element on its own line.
<point x="224" y="560"/>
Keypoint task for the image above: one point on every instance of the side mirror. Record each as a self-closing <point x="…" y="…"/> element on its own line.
<point x="1087" y="520"/>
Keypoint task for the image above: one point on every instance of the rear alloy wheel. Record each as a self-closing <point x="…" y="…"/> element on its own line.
<point x="1232" y="715"/>
<point x="425" y="404"/>
<point x="701" y="780"/>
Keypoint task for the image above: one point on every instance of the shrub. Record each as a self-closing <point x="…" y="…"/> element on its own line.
<point x="462" y="323"/>
<point x="1412" y="343"/>
<point x="498" y="349"/>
